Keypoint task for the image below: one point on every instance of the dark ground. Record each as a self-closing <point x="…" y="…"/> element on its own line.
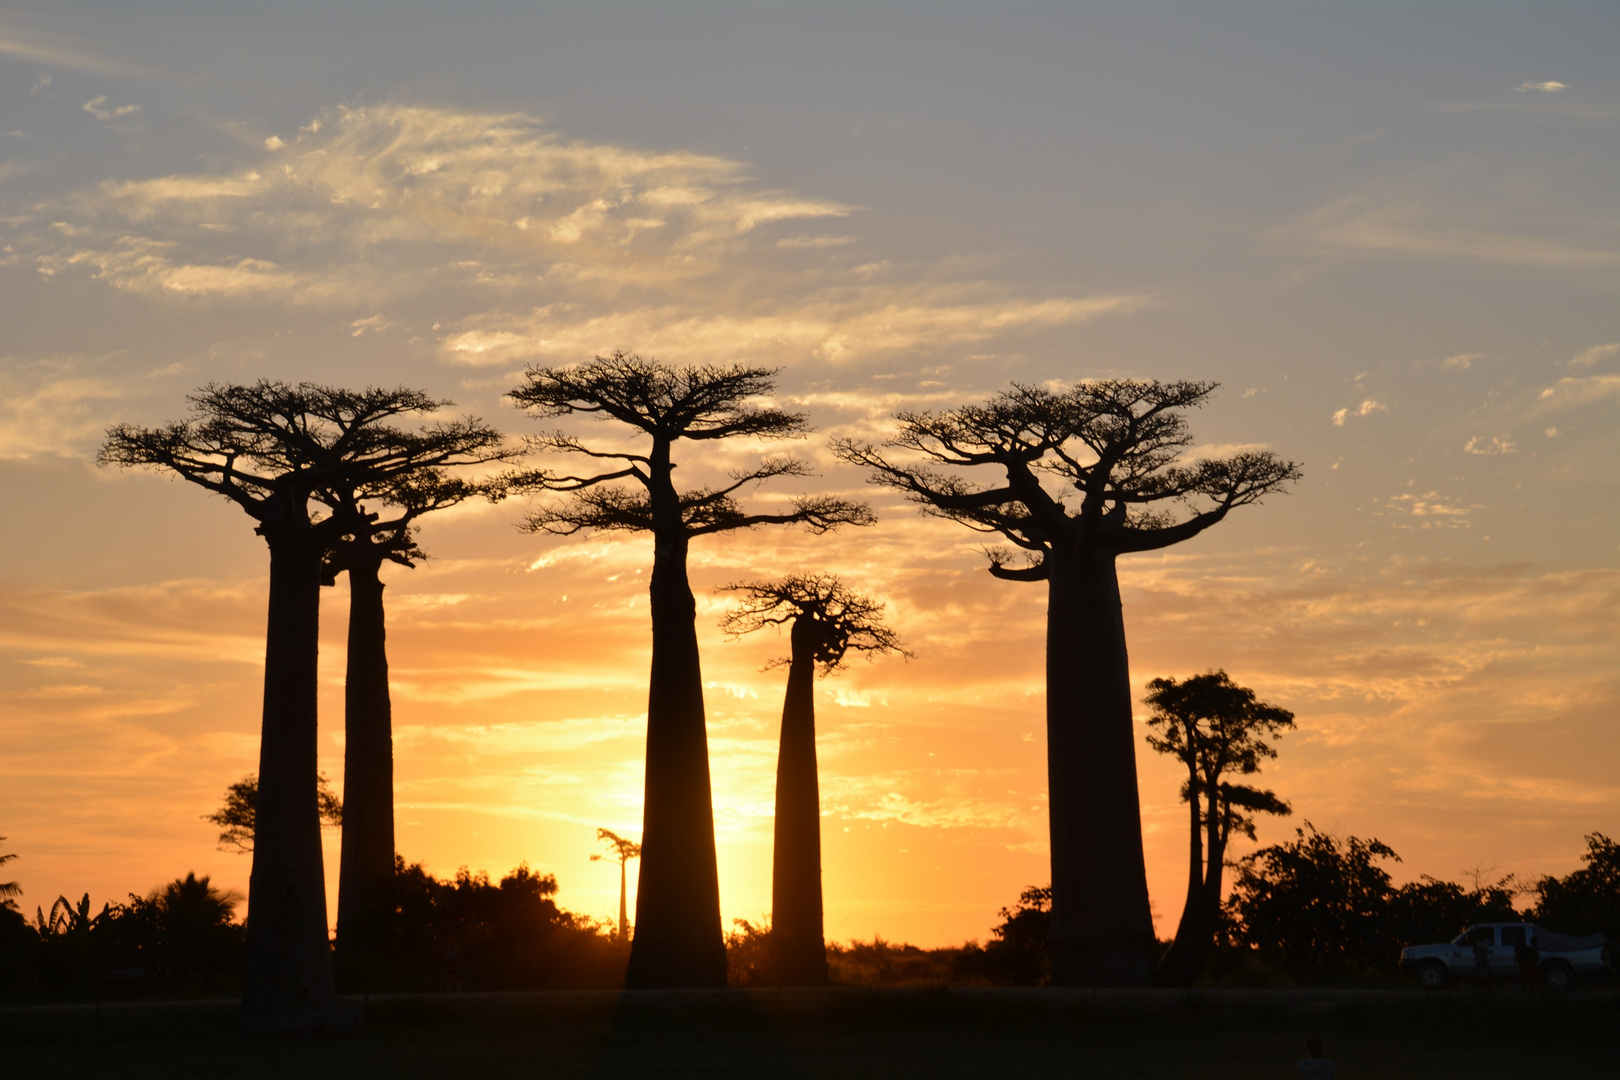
<point x="849" y="1034"/>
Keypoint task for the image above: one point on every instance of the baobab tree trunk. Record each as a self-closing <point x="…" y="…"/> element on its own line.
<point x="368" y="773"/>
<point x="1181" y="963"/>
<point x="287" y="985"/>
<point x="624" y="930"/>
<point x="678" y="938"/>
<point x="1102" y="928"/>
<point x="796" y="912"/>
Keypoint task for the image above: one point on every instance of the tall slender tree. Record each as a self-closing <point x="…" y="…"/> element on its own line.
<point x="827" y="621"/>
<point x="1087" y="475"/>
<point x="678" y="938"/>
<point x="270" y="447"/>
<point x="1216" y="729"/>
<point x="621" y="851"/>
<point x="366" y="866"/>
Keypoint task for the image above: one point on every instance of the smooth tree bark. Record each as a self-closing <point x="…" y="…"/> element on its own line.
<point x="1216" y="729"/>
<point x="678" y="939"/>
<point x="1107" y="451"/>
<point x="366" y="865"/>
<point x="270" y="447"/>
<point x="826" y="622"/>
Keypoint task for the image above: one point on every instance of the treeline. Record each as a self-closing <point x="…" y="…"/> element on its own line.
<point x="181" y="940"/>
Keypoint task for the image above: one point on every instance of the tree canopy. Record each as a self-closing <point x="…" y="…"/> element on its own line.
<point x="843" y="621"/>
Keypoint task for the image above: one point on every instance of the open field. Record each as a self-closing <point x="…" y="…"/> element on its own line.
<point x="851" y="1033"/>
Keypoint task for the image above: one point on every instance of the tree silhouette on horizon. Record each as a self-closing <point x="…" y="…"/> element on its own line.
<point x="271" y="447"/>
<point x="622" y="852"/>
<point x="1107" y="451"/>
<point x="678" y="941"/>
<point x="9" y="890"/>
<point x="826" y="622"/>
<point x="366" y="862"/>
<point x="1215" y="728"/>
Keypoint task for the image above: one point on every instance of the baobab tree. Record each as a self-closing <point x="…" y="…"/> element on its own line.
<point x="366" y="865"/>
<point x="827" y="621"/>
<point x="678" y="938"/>
<point x="1216" y="729"/>
<point x="621" y="851"/>
<point x="271" y="447"/>
<point x="1086" y="476"/>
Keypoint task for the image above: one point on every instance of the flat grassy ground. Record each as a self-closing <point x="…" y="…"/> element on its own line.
<point x="849" y="1034"/>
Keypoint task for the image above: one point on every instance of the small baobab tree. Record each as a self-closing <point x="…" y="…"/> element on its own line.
<point x="620" y="851"/>
<point x="1086" y="475"/>
<point x="678" y="938"/>
<point x="827" y="621"/>
<point x="272" y="448"/>
<point x="1216" y="729"/>
<point x="366" y="866"/>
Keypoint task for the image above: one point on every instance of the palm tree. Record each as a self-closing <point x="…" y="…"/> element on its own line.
<point x="622" y="851"/>
<point x="8" y="889"/>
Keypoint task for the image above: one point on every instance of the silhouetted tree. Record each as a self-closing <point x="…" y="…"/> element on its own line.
<point x="1112" y="450"/>
<point x="1586" y="900"/>
<point x="1216" y="729"/>
<point x="621" y="852"/>
<point x="366" y="866"/>
<point x="827" y="621"/>
<point x="678" y="938"/>
<point x="9" y="890"/>
<point x="239" y="813"/>
<point x="271" y="447"/>
<point x="1017" y="955"/>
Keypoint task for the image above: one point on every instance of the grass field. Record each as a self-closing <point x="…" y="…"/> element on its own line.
<point x="850" y="1033"/>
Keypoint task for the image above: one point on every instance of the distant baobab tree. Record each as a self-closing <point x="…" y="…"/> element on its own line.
<point x="678" y="938"/>
<point x="1216" y="729"/>
<point x="1111" y="453"/>
<point x="366" y="867"/>
<point x="621" y="851"/>
<point x="237" y="816"/>
<point x="826" y="621"/>
<point x="271" y="448"/>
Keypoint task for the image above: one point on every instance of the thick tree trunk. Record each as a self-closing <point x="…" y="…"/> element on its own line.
<point x="796" y="914"/>
<point x="1102" y="927"/>
<point x="287" y="985"/>
<point x="678" y="938"/>
<point x="1179" y="966"/>
<point x="367" y="865"/>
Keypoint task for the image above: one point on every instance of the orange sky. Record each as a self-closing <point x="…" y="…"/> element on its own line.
<point x="1410" y="291"/>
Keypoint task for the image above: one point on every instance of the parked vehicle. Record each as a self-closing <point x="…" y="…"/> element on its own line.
<point x="1509" y="951"/>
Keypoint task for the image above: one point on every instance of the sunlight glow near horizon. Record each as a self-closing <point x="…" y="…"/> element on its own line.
<point x="1406" y="283"/>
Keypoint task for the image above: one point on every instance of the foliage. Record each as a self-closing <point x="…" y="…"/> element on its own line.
<point x="179" y="938"/>
<point x="883" y="963"/>
<point x="1017" y="956"/>
<point x="1588" y="900"/>
<point x="9" y="890"/>
<point x="1318" y="906"/>
<point x="749" y="954"/>
<point x="238" y="814"/>
<point x="467" y="933"/>
<point x="1216" y="728"/>
<point x="833" y="618"/>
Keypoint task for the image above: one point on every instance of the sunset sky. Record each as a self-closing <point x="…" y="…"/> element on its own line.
<point x="1391" y="232"/>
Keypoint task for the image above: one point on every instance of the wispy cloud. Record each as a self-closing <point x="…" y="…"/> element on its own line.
<point x="1368" y="407"/>
<point x="1545" y="87"/>
<point x="1461" y="362"/>
<point x="98" y="108"/>
<point x="532" y="246"/>
<point x="1495" y="444"/>
<point x="1596" y="354"/>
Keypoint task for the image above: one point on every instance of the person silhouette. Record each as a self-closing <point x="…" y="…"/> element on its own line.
<point x="1315" y="1066"/>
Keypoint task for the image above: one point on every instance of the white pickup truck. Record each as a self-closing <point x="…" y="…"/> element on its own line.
<point x="1508" y="951"/>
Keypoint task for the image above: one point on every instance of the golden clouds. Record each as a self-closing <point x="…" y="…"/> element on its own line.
<point x="535" y="247"/>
